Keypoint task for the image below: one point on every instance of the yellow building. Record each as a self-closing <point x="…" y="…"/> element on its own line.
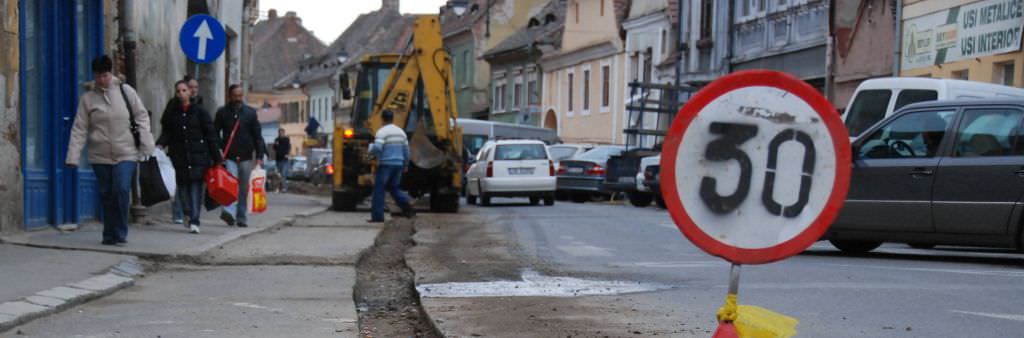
<point x="968" y="40"/>
<point x="584" y="83"/>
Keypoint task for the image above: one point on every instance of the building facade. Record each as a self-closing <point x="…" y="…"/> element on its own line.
<point x="40" y="105"/>
<point x="585" y="82"/>
<point x="280" y="43"/>
<point x="863" y="33"/>
<point x="469" y="35"/>
<point x="969" y="40"/>
<point x="517" y="76"/>
<point x="784" y="35"/>
<point x="11" y="191"/>
<point x="704" y="41"/>
<point x="651" y="34"/>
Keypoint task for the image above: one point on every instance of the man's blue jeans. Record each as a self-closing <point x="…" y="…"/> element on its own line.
<point x="241" y="170"/>
<point x="115" y="187"/>
<point x="389" y="178"/>
<point x="282" y="168"/>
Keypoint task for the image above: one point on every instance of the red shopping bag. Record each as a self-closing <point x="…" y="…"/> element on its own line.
<point x="221" y="185"/>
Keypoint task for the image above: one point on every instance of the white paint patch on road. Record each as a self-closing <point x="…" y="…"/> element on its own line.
<point x="1019" y="318"/>
<point x="672" y="226"/>
<point x="999" y="273"/>
<point x="585" y="250"/>
<point x="258" y="307"/>
<point x="533" y="284"/>
<point x="339" y="320"/>
<point x="678" y="264"/>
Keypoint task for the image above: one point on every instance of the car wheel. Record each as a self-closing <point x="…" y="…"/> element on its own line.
<point x="580" y="197"/>
<point x="921" y="245"/>
<point x="485" y="200"/>
<point x="855" y="246"/>
<point x="640" y="199"/>
<point x="549" y="199"/>
<point x="561" y="196"/>
<point x="534" y="200"/>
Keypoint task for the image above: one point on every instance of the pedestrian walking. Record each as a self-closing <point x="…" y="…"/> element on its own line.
<point x="179" y="207"/>
<point x="106" y="110"/>
<point x="238" y="123"/>
<point x="282" y="146"/>
<point x="193" y="146"/>
<point x="391" y="148"/>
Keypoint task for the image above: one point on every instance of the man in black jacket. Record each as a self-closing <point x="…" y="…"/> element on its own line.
<point x="282" y="146"/>
<point x="245" y="147"/>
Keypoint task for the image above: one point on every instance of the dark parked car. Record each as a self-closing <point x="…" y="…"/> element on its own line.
<point x="946" y="172"/>
<point x="582" y="177"/>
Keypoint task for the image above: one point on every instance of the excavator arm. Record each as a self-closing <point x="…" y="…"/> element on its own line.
<point x="425" y="65"/>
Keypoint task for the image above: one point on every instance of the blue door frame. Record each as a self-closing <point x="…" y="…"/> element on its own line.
<point x="66" y="35"/>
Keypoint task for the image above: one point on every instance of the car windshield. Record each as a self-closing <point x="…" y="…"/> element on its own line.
<point x="867" y="109"/>
<point x="473" y="143"/>
<point x="600" y="154"/>
<point x="520" y="152"/>
<point x="559" y="153"/>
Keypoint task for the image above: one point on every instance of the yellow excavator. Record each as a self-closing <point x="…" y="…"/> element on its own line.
<point x="416" y="85"/>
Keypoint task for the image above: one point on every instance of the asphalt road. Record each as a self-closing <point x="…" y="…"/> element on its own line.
<point x="895" y="291"/>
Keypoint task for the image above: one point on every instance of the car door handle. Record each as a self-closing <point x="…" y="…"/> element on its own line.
<point x="921" y="172"/>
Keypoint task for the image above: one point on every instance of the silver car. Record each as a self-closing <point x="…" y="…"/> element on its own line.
<point x="946" y="172"/>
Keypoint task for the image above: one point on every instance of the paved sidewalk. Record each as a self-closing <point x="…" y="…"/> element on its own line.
<point x="166" y="240"/>
<point x="48" y="271"/>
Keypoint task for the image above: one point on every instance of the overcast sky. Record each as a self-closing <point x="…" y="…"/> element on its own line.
<point x="328" y="18"/>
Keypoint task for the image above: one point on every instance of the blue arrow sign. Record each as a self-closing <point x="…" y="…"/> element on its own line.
<point x="202" y="38"/>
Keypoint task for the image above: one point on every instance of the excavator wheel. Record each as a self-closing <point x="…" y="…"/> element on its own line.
<point x="344" y="201"/>
<point x="444" y="202"/>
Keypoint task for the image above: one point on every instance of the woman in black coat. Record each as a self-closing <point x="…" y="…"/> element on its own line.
<point x="193" y="147"/>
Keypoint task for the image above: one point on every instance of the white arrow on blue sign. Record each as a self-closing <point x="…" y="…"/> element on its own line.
<point x="202" y="38"/>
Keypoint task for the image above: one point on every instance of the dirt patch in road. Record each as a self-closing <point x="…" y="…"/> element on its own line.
<point x="386" y="299"/>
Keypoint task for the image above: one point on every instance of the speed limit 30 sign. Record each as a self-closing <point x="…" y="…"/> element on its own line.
<point x="755" y="167"/>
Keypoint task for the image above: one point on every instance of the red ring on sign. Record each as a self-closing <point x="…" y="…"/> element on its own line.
<point x="840" y="185"/>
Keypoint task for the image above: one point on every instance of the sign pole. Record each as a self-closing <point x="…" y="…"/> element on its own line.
<point x="734" y="279"/>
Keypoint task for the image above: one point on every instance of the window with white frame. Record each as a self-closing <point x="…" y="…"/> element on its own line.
<point x="517" y="93"/>
<point x="533" y="97"/>
<point x="1004" y="73"/>
<point x="586" y="90"/>
<point x="606" y="84"/>
<point x="706" y="18"/>
<point x="465" y="67"/>
<point x="569" y="86"/>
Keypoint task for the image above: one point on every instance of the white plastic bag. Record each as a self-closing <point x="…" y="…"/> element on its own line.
<point x="257" y="199"/>
<point x="166" y="171"/>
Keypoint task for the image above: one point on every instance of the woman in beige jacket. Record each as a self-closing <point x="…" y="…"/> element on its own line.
<point x="103" y="121"/>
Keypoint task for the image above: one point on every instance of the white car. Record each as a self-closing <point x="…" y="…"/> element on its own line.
<point x="512" y="168"/>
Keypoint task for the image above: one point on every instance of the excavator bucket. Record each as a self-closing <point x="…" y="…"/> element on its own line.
<point x="423" y="153"/>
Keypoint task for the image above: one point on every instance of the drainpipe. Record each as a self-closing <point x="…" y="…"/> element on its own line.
<point x="830" y="56"/>
<point x="126" y="26"/>
<point x="897" y="46"/>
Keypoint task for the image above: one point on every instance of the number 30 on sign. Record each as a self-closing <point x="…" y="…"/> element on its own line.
<point x="755" y="167"/>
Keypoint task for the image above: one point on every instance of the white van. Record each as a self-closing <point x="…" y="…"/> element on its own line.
<point x="876" y="99"/>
